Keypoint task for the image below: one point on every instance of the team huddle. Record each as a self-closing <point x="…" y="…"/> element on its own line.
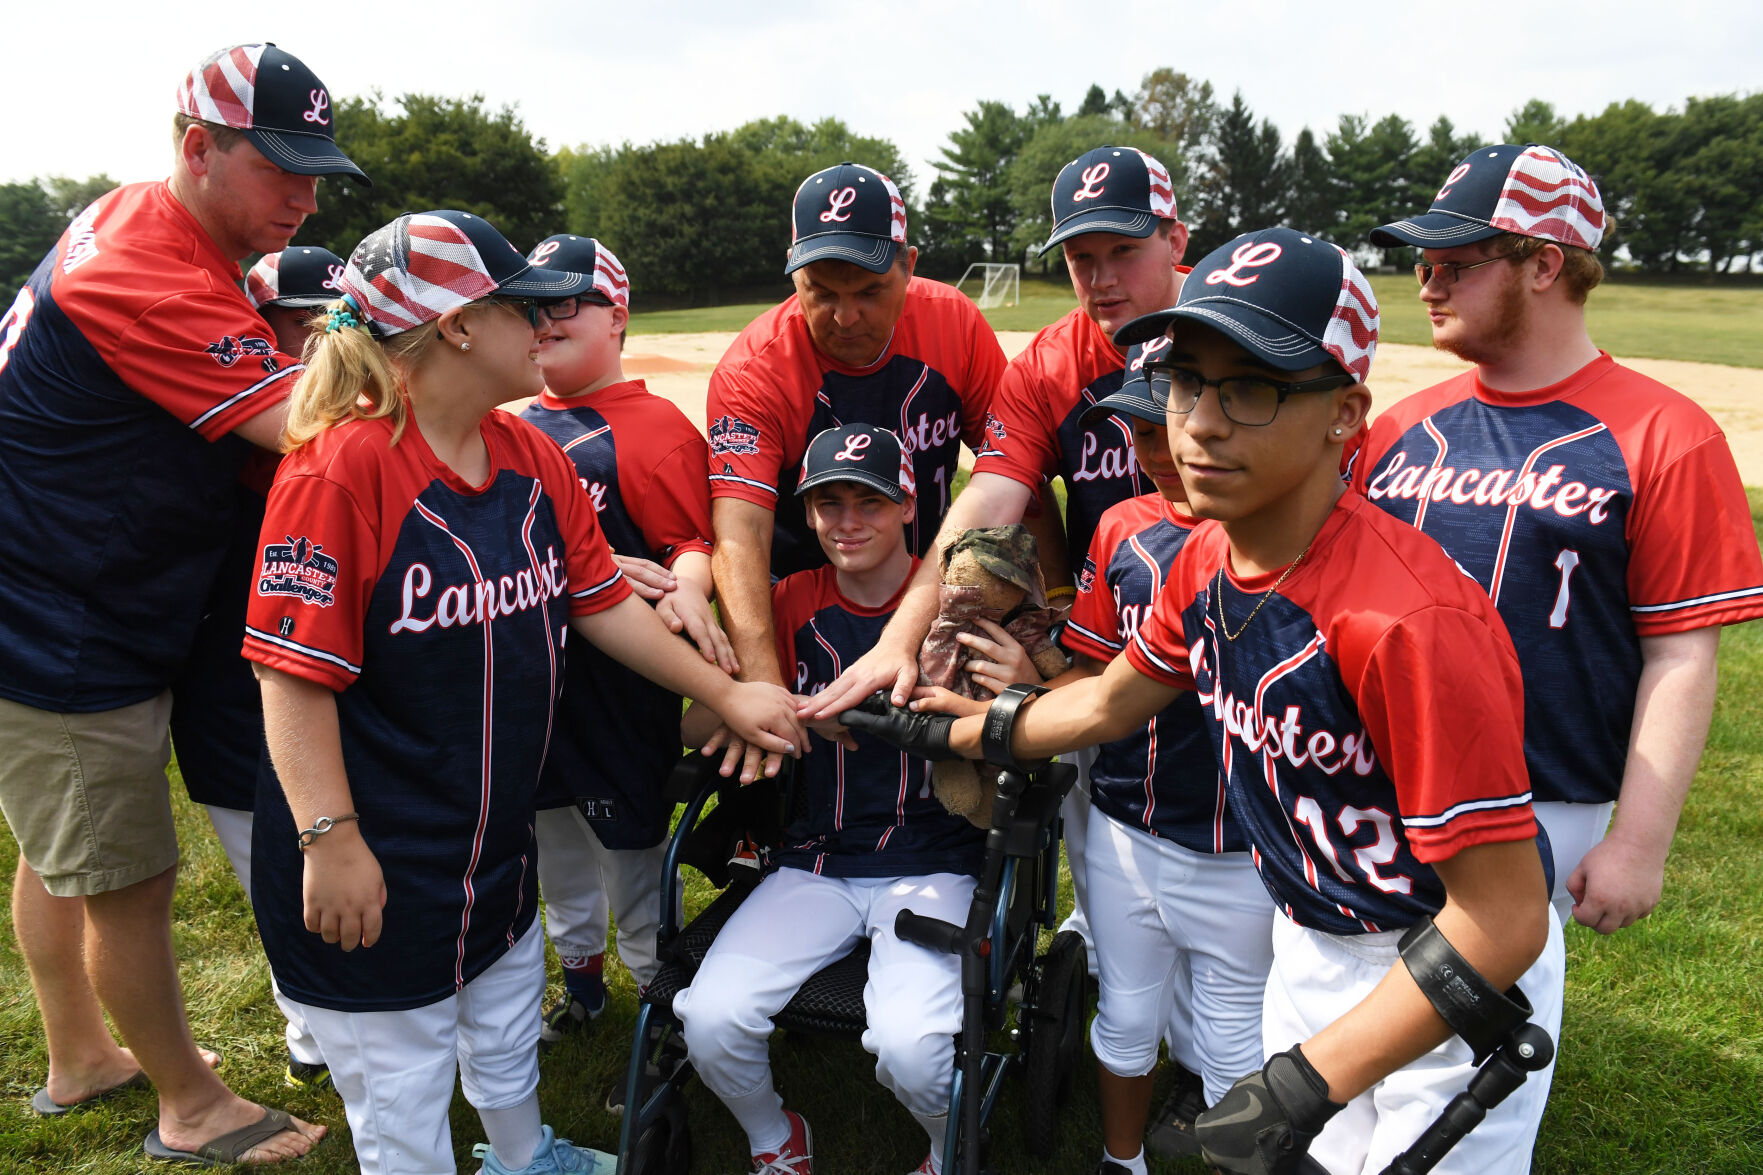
<point x="1366" y="707"/>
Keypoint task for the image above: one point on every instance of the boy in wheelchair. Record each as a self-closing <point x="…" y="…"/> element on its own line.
<point x="873" y="840"/>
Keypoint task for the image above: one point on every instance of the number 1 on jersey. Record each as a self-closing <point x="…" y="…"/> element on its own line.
<point x="1566" y="561"/>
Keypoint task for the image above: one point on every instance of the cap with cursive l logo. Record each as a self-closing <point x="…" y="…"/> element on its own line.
<point x="299" y="278"/>
<point x="585" y="255"/>
<point x="847" y="213"/>
<point x="279" y="104"/>
<point x="1290" y="299"/>
<point x="861" y="453"/>
<point x="1111" y="190"/>
<point x="1530" y="190"/>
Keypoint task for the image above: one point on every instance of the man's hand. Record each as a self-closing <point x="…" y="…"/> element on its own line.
<point x="1616" y="885"/>
<point x="650" y="580"/>
<point x="924" y="735"/>
<point x="342" y="888"/>
<point x="891" y="672"/>
<point x="1265" y="1123"/>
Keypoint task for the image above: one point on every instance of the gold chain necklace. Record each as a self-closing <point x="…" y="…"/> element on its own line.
<point x="1218" y="593"/>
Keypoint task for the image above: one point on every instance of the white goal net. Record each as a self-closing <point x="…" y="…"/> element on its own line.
<point x="998" y="284"/>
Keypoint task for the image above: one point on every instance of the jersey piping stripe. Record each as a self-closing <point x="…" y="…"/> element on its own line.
<point x="596" y="589"/>
<point x="746" y="481"/>
<point x="1090" y="634"/>
<point x="1144" y="557"/>
<point x="1438" y="460"/>
<point x="1698" y="601"/>
<point x="838" y="751"/>
<point x="488" y="735"/>
<point x="280" y="642"/>
<point x="1456" y="810"/>
<point x="250" y="391"/>
<point x="1138" y="640"/>
<point x="906" y="431"/>
<point x="1512" y="510"/>
<point x="532" y="555"/>
<point x="587" y="436"/>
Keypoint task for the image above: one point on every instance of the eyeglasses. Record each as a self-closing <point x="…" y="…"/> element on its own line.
<point x="1245" y="399"/>
<point x="569" y="307"/>
<point x="520" y="306"/>
<point x="1450" y="271"/>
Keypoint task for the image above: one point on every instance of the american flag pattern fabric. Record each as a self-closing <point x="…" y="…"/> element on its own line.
<point x="262" y="284"/>
<point x="1351" y="336"/>
<point x="896" y="210"/>
<point x="1547" y="195"/>
<point x="609" y="276"/>
<point x="223" y="88"/>
<point x="1162" y="190"/>
<point x="413" y="271"/>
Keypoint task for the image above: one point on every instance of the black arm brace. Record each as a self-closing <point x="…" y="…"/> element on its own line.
<point x="1459" y="993"/>
<point x="1000" y="723"/>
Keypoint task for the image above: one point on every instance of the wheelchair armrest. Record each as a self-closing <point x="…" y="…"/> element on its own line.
<point x="1038" y="808"/>
<point x="690" y="776"/>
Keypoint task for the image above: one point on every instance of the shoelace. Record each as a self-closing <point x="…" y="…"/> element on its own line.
<point x="784" y="1164"/>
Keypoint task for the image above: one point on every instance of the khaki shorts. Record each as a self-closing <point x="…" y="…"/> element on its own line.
<point x="86" y="794"/>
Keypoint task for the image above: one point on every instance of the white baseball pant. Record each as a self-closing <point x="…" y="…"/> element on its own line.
<point x="1574" y="830"/>
<point x="793" y="924"/>
<point x="232" y="827"/>
<point x="1074" y="811"/>
<point x="1317" y="977"/>
<point x="395" y="1070"/>
<point x="582" y="882"/>
<point x="1184" y="951"/>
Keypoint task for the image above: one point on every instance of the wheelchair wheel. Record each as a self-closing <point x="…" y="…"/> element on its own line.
<point x="664" y="1147"/>
<point x="1054" y="1039"/>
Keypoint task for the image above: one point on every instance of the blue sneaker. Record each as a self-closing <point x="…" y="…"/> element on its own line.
<point x="555" y="1156"/>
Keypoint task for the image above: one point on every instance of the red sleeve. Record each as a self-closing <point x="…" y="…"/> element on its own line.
<point x="792" y="601"/>
<point x="1693" y="555"/>
<point x="318" y="559"/>
<point x="1452" y="742"/>
<point x="1093" y="628"/>
<point x="757" y="418"/>
<point x="985" y="371"/>
<point x="672" y="505"/>
<point x="1159" y="649"/>
<point x="206" y="358"/>
<point x="595" y="582"/>
<point x="1020" y="435"/>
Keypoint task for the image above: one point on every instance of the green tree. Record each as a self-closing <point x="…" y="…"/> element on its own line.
<point x="1720" y="166"/>
<point x="1630" y="151"/>
<point x="1095" y="102"/>
<point x="1433" y="160"/>
<point x="1174" y="108"/>
<point x="975" y="204"/>
<point x="433" y="152"/>
<point x="1369" y="175"/>
<point x="584" y="171"/>
<point x="1535" y="122"/>
<point x="1310" y="202"/>
<point x="32" y="218"/>
<point x="1247" y="176"/>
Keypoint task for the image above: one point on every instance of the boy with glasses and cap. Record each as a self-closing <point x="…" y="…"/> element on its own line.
<point x="1381" y="788"/>
<point x="134" y="379"/>
<point x="602" y="824"/>
<point x="1601" y="510"/>
<point x="873" y="840"/>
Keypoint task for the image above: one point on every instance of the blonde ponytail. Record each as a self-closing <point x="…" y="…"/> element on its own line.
<point x="350" y="375"/>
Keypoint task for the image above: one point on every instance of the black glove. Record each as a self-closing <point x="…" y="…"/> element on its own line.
<point x="924" y="735"/>
<point x="1267" y="1120"/>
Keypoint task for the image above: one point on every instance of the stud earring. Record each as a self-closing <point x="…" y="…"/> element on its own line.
<point x="1337" y="432"/>
<point x="467" y="347"/>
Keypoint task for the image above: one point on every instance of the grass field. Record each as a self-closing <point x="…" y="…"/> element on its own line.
<point x="1706" y="324"/>
<point x="1661" y="1069"/>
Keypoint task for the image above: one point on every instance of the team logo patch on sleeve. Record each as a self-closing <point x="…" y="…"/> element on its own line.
<point x="298" y="568"/>
<point x="228" y="350"/>
<point x="1087" y="581"/>
<point x="731" y="434"/>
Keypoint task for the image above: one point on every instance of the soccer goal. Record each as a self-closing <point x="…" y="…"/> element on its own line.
<point x="1000" y="283"/>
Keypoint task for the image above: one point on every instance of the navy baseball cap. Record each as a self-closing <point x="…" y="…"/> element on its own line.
<point x="847" y="213"/>
<point x="1531" y="190"/>
<point x="424" y="264"/>
<point x="1290" y="299"/>
<point x="861" y="453"/>
<point x="1111" y="190"/>
<point x="1137" y="395"/>
<point x="279" y="104"/>
<point x="585" y="255"/>
<point x="299" y="278"/>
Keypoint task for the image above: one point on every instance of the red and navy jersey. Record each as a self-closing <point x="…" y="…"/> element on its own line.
<point x="125" y="364"/>
<point x="774" y="391"/>
<point x="642" y="464"/>
<point x="869" y="812"/>
<point x="1368" y="719"/>
<point x="1163" y="779"/>
<point x="437" y="610"/>
<point x="1596" y="511"/>
<point x="1033" y="430"/>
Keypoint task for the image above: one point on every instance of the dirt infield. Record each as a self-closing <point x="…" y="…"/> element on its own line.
<point x="679" y="366"/>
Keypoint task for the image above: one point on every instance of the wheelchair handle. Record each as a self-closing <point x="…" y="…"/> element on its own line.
<point x="933" y="934"/>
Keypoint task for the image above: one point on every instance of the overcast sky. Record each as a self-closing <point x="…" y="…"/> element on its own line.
<point x="91" y="84"/>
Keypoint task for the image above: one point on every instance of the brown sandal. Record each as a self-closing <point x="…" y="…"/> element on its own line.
<point x="225" y="1150"/>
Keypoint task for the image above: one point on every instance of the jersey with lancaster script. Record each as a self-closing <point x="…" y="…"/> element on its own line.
<point x="617" y="736"/>
<point x="1163" y="779"/>
<point x="1034" y="428"/>
<point x="125" y="364"/>
<point x="1595" y="512"/>
<point x="437" y="610"/>
<point x="868" y="812"/>
<point x="1368" y="719"/>
<point x="774" y="391"/>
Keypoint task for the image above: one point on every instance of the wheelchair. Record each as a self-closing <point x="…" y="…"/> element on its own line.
<point x="1001" y="971"/>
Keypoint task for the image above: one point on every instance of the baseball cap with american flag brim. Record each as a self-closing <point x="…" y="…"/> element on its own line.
<point x="862" y="453"/>
<point x="270" y="96"/>
<point x="587" y="256"/>
<point x="1290" y="299"/>
<point x="1110" y="190"/>
<point x="847" y="213"/>
<point x="299" y="278"/>
<point x="1530" y="190"/>
<point x="424" y="264"/>
<point x="1137" y="395"/>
